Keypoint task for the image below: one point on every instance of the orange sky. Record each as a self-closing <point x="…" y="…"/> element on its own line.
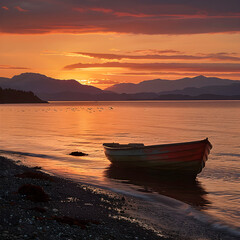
<point x="105" y="42"/>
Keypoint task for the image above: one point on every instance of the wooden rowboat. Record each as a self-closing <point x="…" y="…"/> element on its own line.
<point x="187" y="157"/>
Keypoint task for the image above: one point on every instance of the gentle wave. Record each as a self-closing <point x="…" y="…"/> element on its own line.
<point x="30" y="154"/>
<point x="228" y="154"/>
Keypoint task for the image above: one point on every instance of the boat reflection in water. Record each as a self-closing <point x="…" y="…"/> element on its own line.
<point x="183" y="189"/>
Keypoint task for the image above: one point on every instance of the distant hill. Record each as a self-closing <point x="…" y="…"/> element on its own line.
<point x="2" y="79"/>
<point x="228" y="90"/>
<point x="159" y="85"/>
<point x="42" y="85"/>
<point x="65" y="96"/>
<point x="18" y="96"/>
<point x="198" y="97"/>
<point x="76" y="96"/>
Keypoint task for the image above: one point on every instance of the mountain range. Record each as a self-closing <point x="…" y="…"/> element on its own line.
<point x="226" y="90"/>
<point x="71" y="90"/>
<point x="160" y="85"/>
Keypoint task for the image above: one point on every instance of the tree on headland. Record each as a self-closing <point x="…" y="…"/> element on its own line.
<point x="18" y="96"/>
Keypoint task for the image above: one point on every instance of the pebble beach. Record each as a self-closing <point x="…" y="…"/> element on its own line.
<point x="36" y="205"/>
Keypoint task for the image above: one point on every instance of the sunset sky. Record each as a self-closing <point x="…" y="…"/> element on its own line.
<point x="107" y="42"/>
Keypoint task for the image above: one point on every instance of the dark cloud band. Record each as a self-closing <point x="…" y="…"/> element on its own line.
<point x="157" y="56"/>
<point x="193" y="67"/>
<point x="142" y="16"/>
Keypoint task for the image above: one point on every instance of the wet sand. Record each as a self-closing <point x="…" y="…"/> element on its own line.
<point x="78" y="211"/>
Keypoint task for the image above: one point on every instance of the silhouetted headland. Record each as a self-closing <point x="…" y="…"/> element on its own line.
<point x="18" y="96"/>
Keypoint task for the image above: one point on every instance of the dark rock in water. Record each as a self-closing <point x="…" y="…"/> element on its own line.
<point x="78" y="154"/>
<point x="34" y="175"/>
<point x="75" y="221"/>
<point x="33" y="193"/>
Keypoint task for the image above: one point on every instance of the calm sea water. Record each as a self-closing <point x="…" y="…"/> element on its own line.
<point x="45" y="134"/>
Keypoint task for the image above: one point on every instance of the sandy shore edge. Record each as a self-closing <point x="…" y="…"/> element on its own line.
<point x="78" y="211"/>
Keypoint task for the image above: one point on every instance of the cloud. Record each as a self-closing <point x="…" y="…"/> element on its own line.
<point x="21" y="9"/>
<point x="12" y="67"/>
<point x="186" y="67"/>
<point x="222" y="56"/>
<point x="155" y="51"/>
<point x="215" y="56"/>
<point x="5" y="8"/>
<point x="119" y="14"/>
<point x="135" y="16"/>
<point x="103" y="10"/>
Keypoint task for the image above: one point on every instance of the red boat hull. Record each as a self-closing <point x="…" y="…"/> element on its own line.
<point x="188" y="157"/>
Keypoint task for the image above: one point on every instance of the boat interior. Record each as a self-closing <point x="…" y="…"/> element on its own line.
<point x="118" y="145"/>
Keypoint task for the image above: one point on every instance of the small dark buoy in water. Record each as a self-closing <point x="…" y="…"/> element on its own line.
<point x="78" y="154"/>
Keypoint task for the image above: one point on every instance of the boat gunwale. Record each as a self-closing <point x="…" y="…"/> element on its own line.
<point x="128" y="147"/>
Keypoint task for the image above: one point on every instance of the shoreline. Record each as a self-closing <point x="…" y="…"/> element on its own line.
<point x="80" y="211"/>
